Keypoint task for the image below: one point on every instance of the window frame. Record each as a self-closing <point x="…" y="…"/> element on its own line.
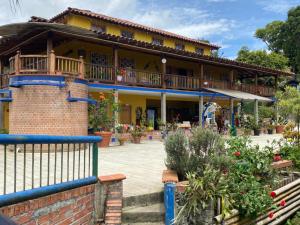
<point x="182" y="48"/>
<point x="128" y="32"/>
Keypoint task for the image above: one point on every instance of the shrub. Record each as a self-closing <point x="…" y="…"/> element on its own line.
<point x="192" y="154"/>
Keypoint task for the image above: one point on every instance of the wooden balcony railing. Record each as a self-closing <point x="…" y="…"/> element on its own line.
<point x="139" y="77"/>
<point x="182" y="82"/>
<point x="4" y="81"/>
<point x="95" y="72"/>
<point x="59" y="65"/>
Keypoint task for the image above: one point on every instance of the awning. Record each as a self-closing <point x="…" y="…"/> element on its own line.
<point x="240" y="95"/>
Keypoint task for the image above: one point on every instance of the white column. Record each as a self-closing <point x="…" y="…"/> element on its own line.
<point x="200" y="110"/>
<point x="163" y="106"/>
<point x="116" y="101"/>
<point x="256" y="111"/>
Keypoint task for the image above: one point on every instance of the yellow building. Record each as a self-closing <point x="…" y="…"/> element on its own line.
<point x="163" y="75"/>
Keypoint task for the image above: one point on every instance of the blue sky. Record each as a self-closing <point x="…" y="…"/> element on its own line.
<point x="228" y="23"/>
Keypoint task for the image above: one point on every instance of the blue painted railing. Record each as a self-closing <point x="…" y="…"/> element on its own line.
<point x="36" y="165"/>
<point x="169" y="201"/>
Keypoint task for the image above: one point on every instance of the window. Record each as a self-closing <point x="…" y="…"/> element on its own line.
<point x="157" y="41"/>
<point x="179" y="46"/>
<point x="199" y="51"/>
<point x="99" y="59"/>
<point x="98" y="28"/>
<point x="127" y="34"/>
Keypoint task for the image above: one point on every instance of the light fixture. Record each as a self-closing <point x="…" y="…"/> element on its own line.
<point x="205" y="83"/>
<point x="164" y="60"/>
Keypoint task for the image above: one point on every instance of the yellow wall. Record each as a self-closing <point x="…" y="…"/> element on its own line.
<point x="86" y="23"/>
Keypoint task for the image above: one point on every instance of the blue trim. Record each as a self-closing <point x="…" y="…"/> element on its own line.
<point x="49" y="80"/>
<point x="73" y="99"/>
<point x="8" y="98"/>
<point x="154" y="90"/>
<point x="80" y="81"/>
<point x="169" y="201"/>
<point x="46" y="139"/>
<point x="14" y="198"/>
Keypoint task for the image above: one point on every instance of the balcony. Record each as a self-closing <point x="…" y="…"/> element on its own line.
<point x="77" y="68"/>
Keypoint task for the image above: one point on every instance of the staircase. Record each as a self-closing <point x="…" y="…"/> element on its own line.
<point x="143" y="209"/>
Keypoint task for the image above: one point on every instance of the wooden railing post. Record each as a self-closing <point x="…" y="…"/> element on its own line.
<point x="17" y="63"/>
<point x="81" y="67"/>
<point x="51" y="59"/>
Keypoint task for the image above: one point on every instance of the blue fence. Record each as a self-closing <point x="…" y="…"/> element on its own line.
<point x="32" y="165"/>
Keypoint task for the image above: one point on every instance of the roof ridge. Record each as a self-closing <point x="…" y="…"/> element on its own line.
<point x="131" y="24"/>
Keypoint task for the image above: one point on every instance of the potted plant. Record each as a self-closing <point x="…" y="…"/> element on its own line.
<point x="120" y="130"/>
<point x="136" y="133"/>
<point x="100" y="120"/>
<point x="270" y="128"/>
<point x="256" y="129"/>
<point x="120" y="74"/>
<point x="160" y="124"/>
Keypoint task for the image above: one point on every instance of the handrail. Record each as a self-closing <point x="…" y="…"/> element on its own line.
<point x="35" y="161"/>
<point x="182" y="82"/>
<point x="99" y="72"/>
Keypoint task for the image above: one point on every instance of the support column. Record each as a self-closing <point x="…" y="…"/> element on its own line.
<point x="116" y="113"/>
<point x="115" y="62"/>
<point x="231" y="77"/>
<point x="232" y="112"/>
<point x="256" y="111"/>
<point x="163" y="106"/>
<point x="49" y="51"/>
<point x="164" y="71"/>
<point x="201" y="111"/>
<point x="201" y="75"/>
<point x="1" y="115"/>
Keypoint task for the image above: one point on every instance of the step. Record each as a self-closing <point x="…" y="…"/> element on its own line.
<point x="143" y="214"/>
<point x="143" y="200"/>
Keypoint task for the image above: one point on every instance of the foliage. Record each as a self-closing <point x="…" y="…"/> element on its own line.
<point x="266" y="111"/>
<point x="122" y="128"/>
<point x="283" y="36"/>
<point x="295" y="220"/>
<point x="102" y="114"/>
<point x="291" y="151"/>
<point x="263" y="58"/>
<point x="250" y="123"/>
<point x="192" y="154"/>
<point x="137" y="131"/>
<point x="249" y="176"/>
<point x="202" y="191"/>
<point x="289" y="104"/>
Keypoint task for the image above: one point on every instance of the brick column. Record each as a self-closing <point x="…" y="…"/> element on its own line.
<point x="112" y="193"/>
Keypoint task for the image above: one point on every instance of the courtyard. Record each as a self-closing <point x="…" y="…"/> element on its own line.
<point x="142" y="164"/>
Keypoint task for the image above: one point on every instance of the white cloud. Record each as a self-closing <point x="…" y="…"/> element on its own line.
<point x="278" y="6"/>
<point x="189" y="21"/>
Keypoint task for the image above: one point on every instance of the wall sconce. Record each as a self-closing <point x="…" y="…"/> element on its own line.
<point x="164" y="60"/>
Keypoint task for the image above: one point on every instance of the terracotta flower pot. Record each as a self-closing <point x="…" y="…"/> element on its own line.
<point x="279" y="129"/>
<point x="136" y="140"/>
<point x="106" y="136"/>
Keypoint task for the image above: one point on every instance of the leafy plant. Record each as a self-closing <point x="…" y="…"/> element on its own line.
<point x="200" y="193"/>
<point x="137" y="131"/>
<point x="102" y="114"/>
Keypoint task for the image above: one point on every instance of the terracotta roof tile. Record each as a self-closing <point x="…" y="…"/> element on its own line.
<point x="130" y="24"/>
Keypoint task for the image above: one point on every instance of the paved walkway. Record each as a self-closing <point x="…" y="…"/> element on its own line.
<point x="141" y="163"/>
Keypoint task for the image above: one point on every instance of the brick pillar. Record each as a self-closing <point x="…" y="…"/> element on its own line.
<point x="110" y="197"/>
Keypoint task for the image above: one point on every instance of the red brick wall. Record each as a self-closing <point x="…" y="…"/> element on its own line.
<point x="74" y="206"/>
<point x="45" y="110"/>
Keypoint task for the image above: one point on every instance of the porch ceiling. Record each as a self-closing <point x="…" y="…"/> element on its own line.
<point x="154" y="91"/>
<point x="239" y="95"/>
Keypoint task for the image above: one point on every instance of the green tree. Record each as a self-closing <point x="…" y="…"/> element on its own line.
<point x="289" y="104"/>
<point x="283" y="36"/>
<point x="263" y="58"/>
